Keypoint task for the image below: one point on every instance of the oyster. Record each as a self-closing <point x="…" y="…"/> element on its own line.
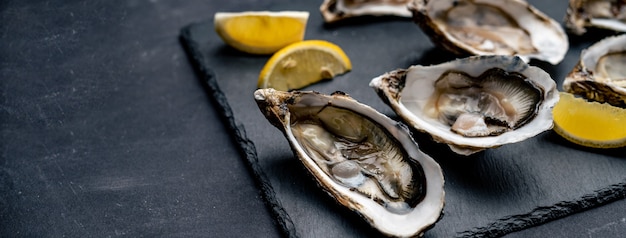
<point x="474" y="103"/>
<point x="363" y="159"/>
<point x="600" y="74"/>
<point x="607" y="14"/>
<point x="491" y="27"/>
<point x="335" y="10"/>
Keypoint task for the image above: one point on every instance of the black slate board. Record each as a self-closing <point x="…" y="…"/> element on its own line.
<point x="491" y="193"/>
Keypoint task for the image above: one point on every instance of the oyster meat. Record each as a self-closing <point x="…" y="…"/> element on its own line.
<point x="491" y="27"/>
<point x="600" y="74"/>
<point x="363" y="159"/>
<point x="607" y="14"/>
<point x="335" y="10"/>
<point x="474" y="103"/>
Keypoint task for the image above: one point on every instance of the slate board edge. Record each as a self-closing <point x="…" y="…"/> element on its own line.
<point x="541" y="215"/>
<point x="245" y="146"/>
<point x="501" y="227"/>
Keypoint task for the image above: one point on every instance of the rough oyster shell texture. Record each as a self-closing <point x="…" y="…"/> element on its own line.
<point x="600" y="74"/>
<point x="363" y="159"/>
<point x="606" y="14"/>
<point x="335" y="10"/>
<point x="491" y="27"/>
<point x="474" y="103"/>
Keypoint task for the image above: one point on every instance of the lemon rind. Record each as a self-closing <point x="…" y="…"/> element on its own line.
<point x="601" y="144"/>
<point x="221" y="17"/>
<point x="284" y="52"/>
<point x="592" y="143"/>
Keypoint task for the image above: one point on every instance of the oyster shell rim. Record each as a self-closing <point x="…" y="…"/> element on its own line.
<point x="375" y="214"/>
<point x="331" y="17"/>
<point x="469" y="145"/>
<point x="578" y="24"/>
<point x="581" y="80"/>
<point x="443" y="39"/>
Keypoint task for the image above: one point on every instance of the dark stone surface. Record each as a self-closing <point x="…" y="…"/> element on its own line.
<point x="605" y="221"/>
<point x="106" y="130"/>
<point x="491" y="193"/>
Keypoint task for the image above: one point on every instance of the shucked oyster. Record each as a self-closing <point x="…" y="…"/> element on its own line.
<point x="474" y="103"/>
<point x="335" y="10"/>
<point x="600" y="74"/>
<point x="607" y="14"/>
<point x="491" y="27"/>
<point x="364" y="160"/>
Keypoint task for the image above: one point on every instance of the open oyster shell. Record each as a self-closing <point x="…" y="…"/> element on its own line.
<point x="474" y="103"/>
<point x="363" y="159"/>
<point x="600" y="74"/>
<point x="607" y="14"/>
<point x="491" y="27"/>
<point x="335" y="10"/>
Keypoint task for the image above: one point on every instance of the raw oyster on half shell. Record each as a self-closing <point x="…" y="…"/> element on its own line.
<point x="607" y="14"/>
<point x="600" y="74"/>
<point x="363" y="159"/>
<point x="474" y="103"/>
<point x="491" y="27"/>
<point x="335" y="10"/>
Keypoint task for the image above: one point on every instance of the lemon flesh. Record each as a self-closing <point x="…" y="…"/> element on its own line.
<point x="303" y="63"/>
<point x="260" y="32"/>
<point x="591" y="124"/>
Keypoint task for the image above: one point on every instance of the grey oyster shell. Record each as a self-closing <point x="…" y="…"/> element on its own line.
<point x="474" y="103"/>
<point x="366" y="161"/>
<point x="605" y="14"/>
<point x="491" y="27"/>
<point x="336" y="10"/>
<point x="600" y="74"/>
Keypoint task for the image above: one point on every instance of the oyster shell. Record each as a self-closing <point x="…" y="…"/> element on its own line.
<point x="474" y="103"/>
<point x="335" y="10"/>
<point x="607" y="14"/>
<point x="491" y="27"/>
<point x="600" y="74"/>
<point x="363" y="159"/>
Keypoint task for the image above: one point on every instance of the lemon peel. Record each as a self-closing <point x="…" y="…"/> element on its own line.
<point x="303" y="63"/>
<point x="590" y="124"/>
<point x="260" y="32"/>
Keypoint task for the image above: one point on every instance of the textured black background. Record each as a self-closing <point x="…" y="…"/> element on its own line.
<point x="106" y="130"/>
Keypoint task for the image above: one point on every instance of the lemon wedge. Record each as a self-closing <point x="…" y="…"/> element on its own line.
<point x="303" y="63"/>
<point x="591" y="124"/>
<point x="260" y="32"/>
